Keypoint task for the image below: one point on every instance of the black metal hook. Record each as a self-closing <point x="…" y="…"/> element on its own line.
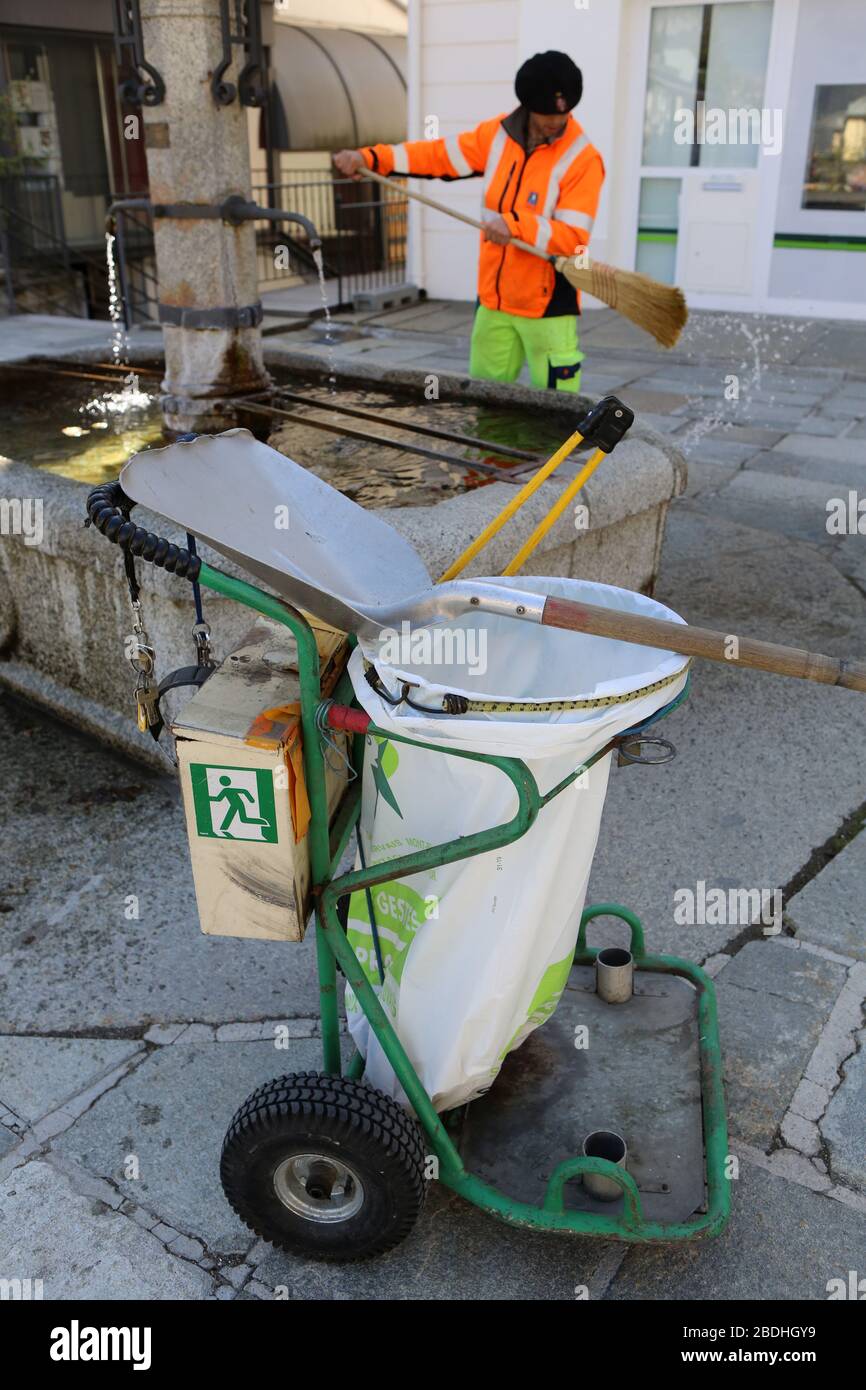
<point x="129" y="43"/>
<point x="245" y="32"/>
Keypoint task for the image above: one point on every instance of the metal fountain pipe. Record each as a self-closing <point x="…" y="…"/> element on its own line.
<point x="235" y="209"/>
<point x="121" y="205"/>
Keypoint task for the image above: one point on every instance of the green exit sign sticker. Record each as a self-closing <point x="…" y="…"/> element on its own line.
<point x="234" y="803"/>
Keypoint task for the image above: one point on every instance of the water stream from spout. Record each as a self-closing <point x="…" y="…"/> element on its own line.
<point x="329" y="323"/>
<point x="119" y="338"/>
<point x="112" y="408"/>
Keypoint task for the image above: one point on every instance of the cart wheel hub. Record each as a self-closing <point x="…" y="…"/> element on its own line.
<point x="318" y="1187"/>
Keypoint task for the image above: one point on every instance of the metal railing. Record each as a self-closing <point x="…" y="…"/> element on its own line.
<point x="363" y="230"/>
<point x="34" y="256"/>
<point x="43" y="272"/>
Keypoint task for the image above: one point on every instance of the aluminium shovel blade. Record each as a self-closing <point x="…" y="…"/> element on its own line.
<point x="310" y="543"/>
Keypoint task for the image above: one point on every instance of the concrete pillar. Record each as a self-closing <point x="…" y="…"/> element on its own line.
<point x="198" y="152"/>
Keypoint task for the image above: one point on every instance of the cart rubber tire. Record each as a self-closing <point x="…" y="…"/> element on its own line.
<point x="350" y="1127"/>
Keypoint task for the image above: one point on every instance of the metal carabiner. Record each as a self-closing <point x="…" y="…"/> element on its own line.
<point x="201" y="638"/>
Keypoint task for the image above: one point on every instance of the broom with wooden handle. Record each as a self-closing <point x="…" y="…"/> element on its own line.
<point x="658" y="309"/>
<point x="723" y="647"/>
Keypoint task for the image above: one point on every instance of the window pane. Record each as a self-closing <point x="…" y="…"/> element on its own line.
<point x="659" y="205"/>
<point x="24" y="62"/>
<point x="736" y="69"/>
<point x="675" y="40"/>
<point x="836" y="167"/>
<point x="658" y="221"/>
<point x="75" y="90"/>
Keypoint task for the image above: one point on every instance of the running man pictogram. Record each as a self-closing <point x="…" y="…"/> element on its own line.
<point x="234" y="803"/>
<point x="234" y="797"/>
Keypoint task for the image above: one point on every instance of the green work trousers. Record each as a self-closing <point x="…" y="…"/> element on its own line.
<point x="501" y="343"/>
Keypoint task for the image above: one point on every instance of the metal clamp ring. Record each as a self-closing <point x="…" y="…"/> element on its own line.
<point x="638" y="741"/>
<point x="143" y="660"/>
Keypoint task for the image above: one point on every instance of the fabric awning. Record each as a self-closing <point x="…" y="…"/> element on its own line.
<point x="338" y="87"/>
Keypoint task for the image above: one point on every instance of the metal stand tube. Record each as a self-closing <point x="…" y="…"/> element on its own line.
<point x="614" y="975"/>
<point x="604" y="1143"/>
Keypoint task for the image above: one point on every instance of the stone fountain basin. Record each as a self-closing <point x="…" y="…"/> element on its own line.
<point x="64" y="609"/>
<point x="626" y="498"/>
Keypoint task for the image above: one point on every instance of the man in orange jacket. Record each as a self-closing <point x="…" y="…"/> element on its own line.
<point x="541" y="183"/>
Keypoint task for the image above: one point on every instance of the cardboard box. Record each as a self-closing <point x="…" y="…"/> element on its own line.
<point x="238" y="744"/>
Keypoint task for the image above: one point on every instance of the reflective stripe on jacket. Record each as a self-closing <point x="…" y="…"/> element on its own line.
<point x="548" y="197"/>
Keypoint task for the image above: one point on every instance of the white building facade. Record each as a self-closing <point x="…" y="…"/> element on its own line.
<point x="733" y="133"/>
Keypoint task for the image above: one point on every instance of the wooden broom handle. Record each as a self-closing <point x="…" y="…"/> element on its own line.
<point x="451" y="212"/>
<point x="701" y="641"/>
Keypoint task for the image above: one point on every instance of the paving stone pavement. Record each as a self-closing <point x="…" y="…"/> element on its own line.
<point x="170" y="1116"/>
<point x="830" y="911"/>
<point x="761" y="1071"/>
<point x="125" y="1046"/>
<point x="844" y="1124"/>
<point x="783" y="1242"/>
<point x="80" y="1247"/>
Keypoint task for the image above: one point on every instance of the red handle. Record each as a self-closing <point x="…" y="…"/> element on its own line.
<point x="352" y="721"/>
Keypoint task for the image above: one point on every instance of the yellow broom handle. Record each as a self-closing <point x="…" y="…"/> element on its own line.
<point x="555" y="512"/>
<point x="495" y="526"/>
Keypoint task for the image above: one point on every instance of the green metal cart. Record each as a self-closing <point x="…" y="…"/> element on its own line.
<point x="328" y="1167"/>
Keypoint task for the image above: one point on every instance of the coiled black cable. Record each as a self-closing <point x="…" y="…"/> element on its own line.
<point x="108" y="509"/>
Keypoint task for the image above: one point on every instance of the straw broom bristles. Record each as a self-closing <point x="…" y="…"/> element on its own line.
<point x="660" y="309"/>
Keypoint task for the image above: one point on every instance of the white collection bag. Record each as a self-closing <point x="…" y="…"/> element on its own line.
<point x="476" y="954"/>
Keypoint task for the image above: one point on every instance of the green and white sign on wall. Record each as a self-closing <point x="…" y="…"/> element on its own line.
<point x="234" y="803"/>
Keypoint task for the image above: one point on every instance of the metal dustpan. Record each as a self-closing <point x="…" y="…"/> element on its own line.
<point x="310" y="543"/>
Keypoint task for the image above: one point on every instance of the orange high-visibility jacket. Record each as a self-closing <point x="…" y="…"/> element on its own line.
<point x="548" y="198"/>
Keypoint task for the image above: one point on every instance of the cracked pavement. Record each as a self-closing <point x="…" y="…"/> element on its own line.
<point x="127" y="1039"/>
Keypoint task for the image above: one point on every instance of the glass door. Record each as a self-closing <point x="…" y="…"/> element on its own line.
<point x="704" y="125"/>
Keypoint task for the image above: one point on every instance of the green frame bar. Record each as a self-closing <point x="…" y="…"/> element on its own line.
<point x="809" y="241"/>
<point x="314" y="774"/>
<point x="332" y="946"/>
